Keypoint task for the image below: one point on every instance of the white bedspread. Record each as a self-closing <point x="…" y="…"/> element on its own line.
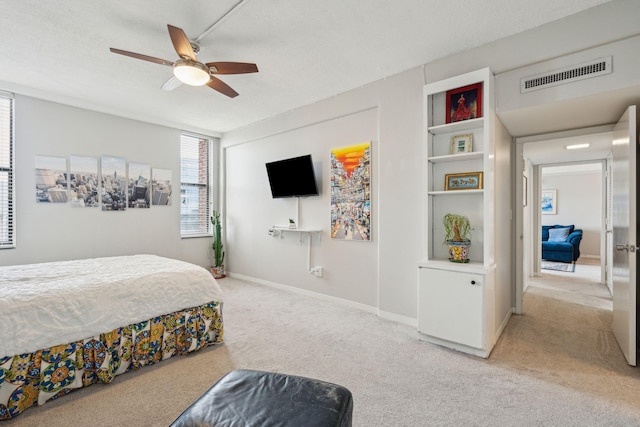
<point x="47" y="304"/>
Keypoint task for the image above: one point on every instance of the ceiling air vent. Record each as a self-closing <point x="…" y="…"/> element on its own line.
<point x="574" y="73"/>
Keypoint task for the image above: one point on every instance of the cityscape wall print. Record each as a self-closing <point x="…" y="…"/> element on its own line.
<point x="83" y="181"/>
<point x="114" y="183"/>
<point x="161" y="187"/>
<point x="51" y="179"/>
<point x="139" y="185"/>
<point x="351" y="192"/>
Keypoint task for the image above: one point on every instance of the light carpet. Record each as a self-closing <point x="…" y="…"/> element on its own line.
<point x="556" y="365"/>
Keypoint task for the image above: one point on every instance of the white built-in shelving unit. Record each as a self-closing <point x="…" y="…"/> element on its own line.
<point x="456" y="302"/>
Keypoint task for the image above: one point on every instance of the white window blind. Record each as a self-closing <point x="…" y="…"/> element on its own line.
<point x="7" y="226"/>
<point x="198" y="169"/>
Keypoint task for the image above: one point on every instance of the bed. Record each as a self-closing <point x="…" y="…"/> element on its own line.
<point x="66" y="325"/>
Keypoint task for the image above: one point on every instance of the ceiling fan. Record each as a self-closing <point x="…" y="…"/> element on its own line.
<point x="189" y="70"/>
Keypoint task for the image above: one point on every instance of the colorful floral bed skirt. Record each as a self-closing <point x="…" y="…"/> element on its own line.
<point x="35" y="378"/>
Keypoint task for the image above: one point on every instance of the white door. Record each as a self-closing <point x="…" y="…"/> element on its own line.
<point x="624" y="233"/>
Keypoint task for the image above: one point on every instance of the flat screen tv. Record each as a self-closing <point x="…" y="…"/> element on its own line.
<point x="292" y="177"/>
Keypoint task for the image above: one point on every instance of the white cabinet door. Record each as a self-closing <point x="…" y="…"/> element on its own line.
<point x="450" y="306"/>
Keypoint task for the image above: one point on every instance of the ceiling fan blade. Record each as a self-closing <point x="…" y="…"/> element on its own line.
<point x="171" y="84"/>
<point x="181" y="43"/>
<point x="233" y="67"/>
<point x="141" y="56"/>
<point x="222" y="87"/>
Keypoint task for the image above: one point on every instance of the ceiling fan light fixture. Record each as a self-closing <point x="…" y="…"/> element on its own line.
<point x="191" y="73"/>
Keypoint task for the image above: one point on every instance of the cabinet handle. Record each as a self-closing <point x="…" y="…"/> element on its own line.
<point x="473" y="282"/>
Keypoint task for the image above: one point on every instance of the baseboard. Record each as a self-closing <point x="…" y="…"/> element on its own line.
<point x="455" y="346"/>
<point x="353" y="304"/>
<point x="404" y="320"/>
<point x="503" y="325"/>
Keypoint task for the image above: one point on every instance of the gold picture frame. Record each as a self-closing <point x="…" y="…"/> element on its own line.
<point x="461" y="143"/>
<point x="463" y="181"/>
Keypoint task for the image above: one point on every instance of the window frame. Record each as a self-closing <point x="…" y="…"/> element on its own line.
<point x="210" y="186"/>
<point x="8" y="234"/>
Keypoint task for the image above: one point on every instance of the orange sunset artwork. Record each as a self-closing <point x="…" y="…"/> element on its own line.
<point x="351" y="192"/>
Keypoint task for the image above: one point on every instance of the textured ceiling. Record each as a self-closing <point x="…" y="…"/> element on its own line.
<point x="306" y="50"/>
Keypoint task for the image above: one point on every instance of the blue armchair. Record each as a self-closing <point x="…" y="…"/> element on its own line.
<point x="561" y="243"/>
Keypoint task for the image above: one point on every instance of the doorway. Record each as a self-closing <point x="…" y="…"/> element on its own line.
<point x="550" y="151"/>
<point x="570" y="197"/>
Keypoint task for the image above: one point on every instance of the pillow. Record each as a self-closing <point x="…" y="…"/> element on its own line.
<point x="571" y="227"/>
<point x="558" y="234"/>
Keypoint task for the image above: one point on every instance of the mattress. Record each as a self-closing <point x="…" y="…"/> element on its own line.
<point x="42" y="305"/>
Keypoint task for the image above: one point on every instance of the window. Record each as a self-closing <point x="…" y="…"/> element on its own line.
<point x="7" y="235"/>
<point x="197" y="190"/>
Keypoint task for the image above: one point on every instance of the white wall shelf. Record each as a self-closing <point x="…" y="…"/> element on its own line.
<point x="455" y="192"/>
<point x="457" y="157"/>
<point x="457" y="126"/>
<point x="279" y="229"/>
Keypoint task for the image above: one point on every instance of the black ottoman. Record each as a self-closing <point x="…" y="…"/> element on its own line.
<point x="245" y="398"/>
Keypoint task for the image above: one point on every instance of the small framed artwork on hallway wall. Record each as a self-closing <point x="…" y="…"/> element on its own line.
<point x="549" y="202"/>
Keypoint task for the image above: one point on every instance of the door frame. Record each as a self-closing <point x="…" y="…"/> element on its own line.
<point x="522" y="255"/>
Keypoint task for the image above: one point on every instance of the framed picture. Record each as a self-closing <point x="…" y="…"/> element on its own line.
<point x="461" y="143"/>
<point x="351" y="192"/>
<point x="114" y="183"/>
<point x="463" y="181"/>
<point x="84" y="181"/>
<point x="549" y="202"/>
<point x="51" y="179"/>
<point x="464" y="103"/>
<point x="161" y="187"/>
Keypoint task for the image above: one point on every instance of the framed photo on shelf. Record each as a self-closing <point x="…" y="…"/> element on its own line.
<point x="463" y="181"/>
<point x="461" y="143"/>
<point x="464" y="103"/>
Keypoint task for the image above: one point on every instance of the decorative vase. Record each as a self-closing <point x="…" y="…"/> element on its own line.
<point x="218" y="272"/>
<point x="459" y="251"/>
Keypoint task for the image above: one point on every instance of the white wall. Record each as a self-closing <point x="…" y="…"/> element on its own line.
<point x="579" y="202"/>
<point x="381" y="273"/>
<point x="251" y="211"/>
<point x="51" y="232"/>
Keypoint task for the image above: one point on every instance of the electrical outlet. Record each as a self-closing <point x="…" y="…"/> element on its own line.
<point x="316" y="271"/>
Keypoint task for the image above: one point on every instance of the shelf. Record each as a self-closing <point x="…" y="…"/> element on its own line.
<point x="280" y="230"/>
<point x="294" y="230"/>
<point x="454" y="192"/>
<point x="457" y="157"/>
<point x="445" y="264"/>
<point x="456" y="126"/>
